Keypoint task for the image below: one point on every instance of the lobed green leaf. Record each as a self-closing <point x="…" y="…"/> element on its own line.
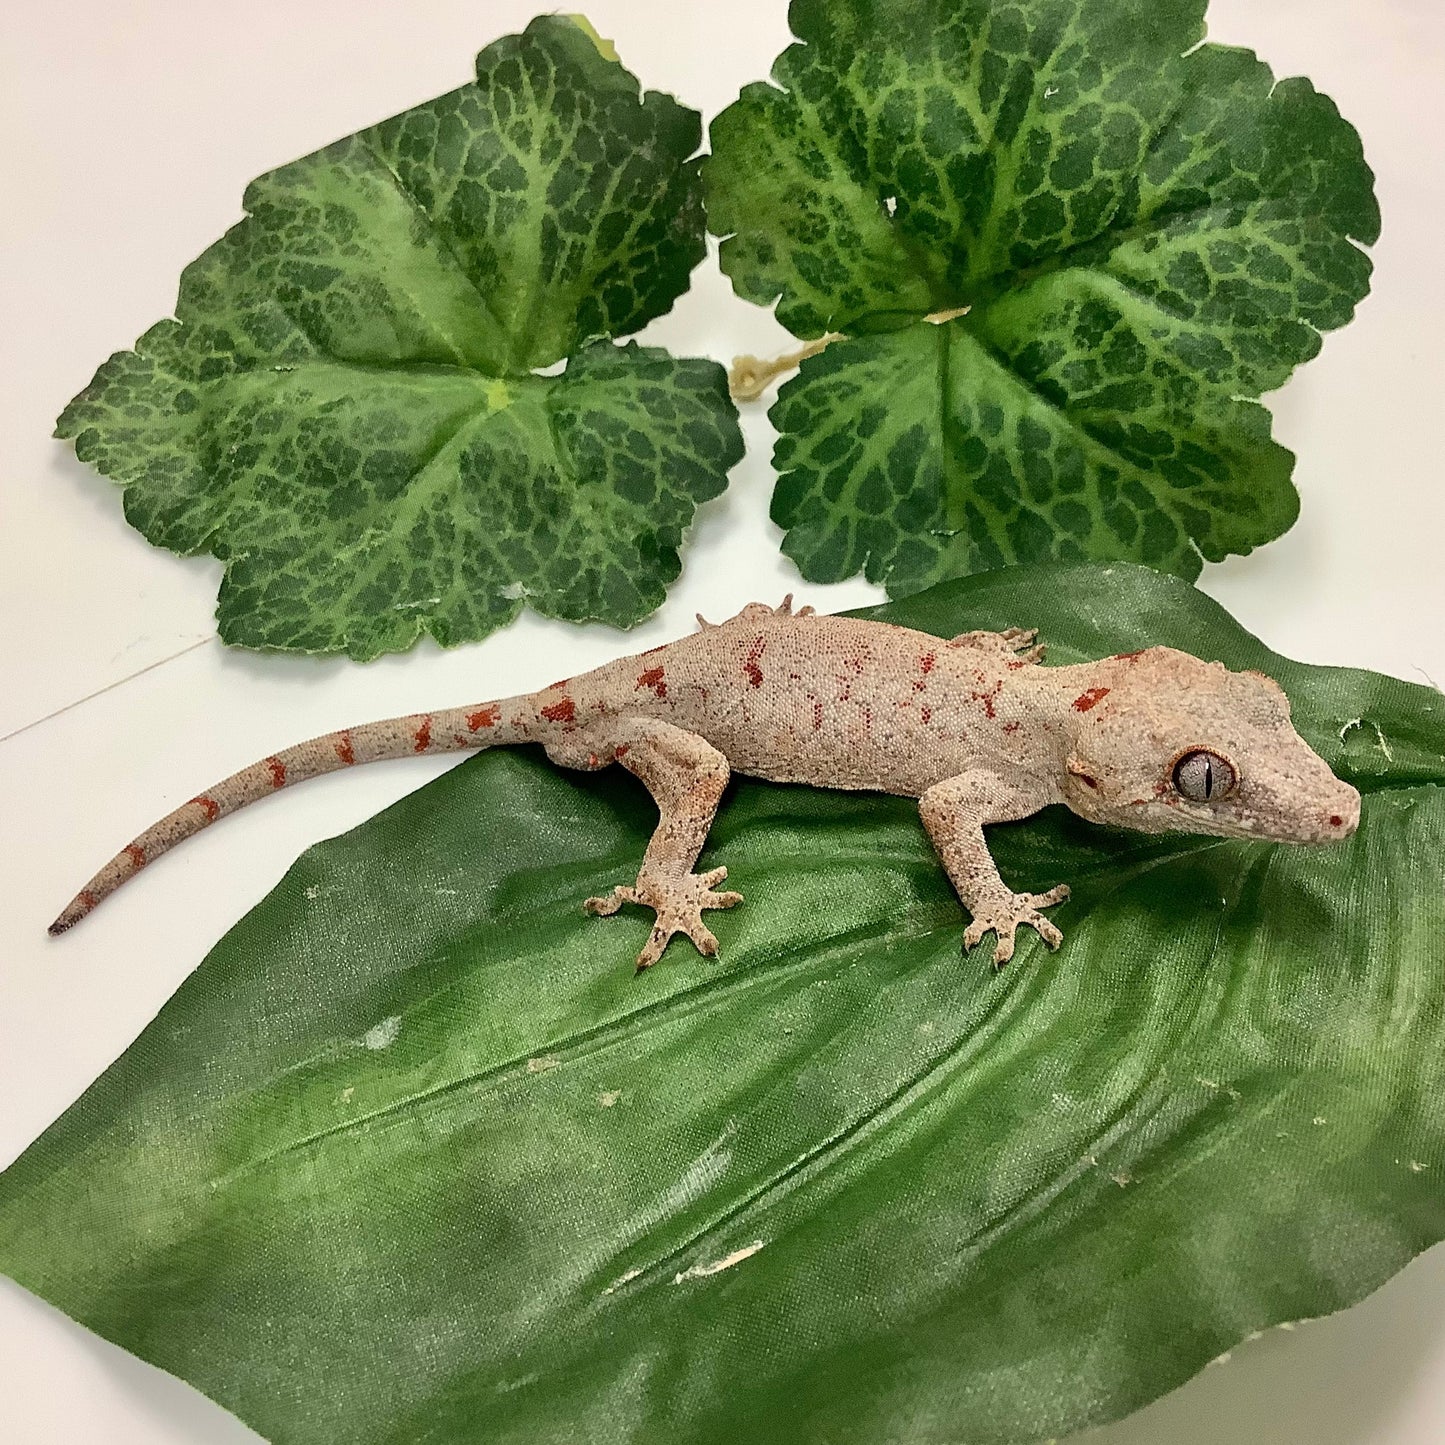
<point x="414" y="1156"/>
<point x="347" y="409"/>
<point x="1144" y="232"/>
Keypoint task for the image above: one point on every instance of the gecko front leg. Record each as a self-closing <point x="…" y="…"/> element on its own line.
<point x="954" y="813"/>
<point x="686" y="776"/>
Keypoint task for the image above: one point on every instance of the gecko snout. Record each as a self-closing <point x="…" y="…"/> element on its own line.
<point x="1343" y="816"/>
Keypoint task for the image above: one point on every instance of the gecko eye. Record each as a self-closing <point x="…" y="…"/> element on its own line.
<point x="1204" y="776"/>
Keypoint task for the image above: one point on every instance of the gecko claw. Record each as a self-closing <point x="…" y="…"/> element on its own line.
<point x="1004" y="913"/>
<point x="678" y="904"/>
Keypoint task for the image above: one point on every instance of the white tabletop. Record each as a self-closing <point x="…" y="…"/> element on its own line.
<point x="130" y="131"/>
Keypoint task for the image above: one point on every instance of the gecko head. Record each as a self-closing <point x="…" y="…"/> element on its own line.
<point x="1167" y="743"/>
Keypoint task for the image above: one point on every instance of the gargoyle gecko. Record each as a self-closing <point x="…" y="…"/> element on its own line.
<point x="973" y="728"/>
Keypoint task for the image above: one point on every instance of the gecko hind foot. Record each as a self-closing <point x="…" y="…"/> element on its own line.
<point x="678" y="904"/>
<point x="1017" y="643"/>
<point x="1005" y="913"/>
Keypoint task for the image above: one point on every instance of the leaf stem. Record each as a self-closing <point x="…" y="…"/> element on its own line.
<point x="750" y="376"/>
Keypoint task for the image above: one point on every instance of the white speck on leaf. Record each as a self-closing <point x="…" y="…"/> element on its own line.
<point x="383" y="1036"/>
<point x="702" y="1271"/>
<point x="1416" y="1167"/>
<point x="513" y="591"/>
<point x="313" y="892"/>
<point x="1319" y="1119"/>
<point x="608" y="1099"/>
<point x="623" y="1279"/>
<point x="507" y="1386"/>
<point x="348" y="1093"/>
<point x="543" y="1064"/>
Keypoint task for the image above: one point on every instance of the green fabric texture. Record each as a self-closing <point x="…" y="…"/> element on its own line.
<point x="413" y="1156"/>
<point x="1147" y="234"/>
<point x="347" y="409"/>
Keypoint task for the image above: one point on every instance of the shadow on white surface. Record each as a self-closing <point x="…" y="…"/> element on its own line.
<point x="1341" y="1380"/>
<point x="108" y="1396"/>
<point x="1337" y="1381"/>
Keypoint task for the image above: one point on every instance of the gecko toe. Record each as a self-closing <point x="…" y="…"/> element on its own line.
<point x="1047" y="900"/>
<point x="608" y="904"/>
<point x="1003" y="949"/>
<point x="655" y="946"/>
<point x="1047" y="931"/>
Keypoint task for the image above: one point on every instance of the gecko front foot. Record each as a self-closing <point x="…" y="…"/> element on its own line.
<point x="678" y="903"/>
<point x="1003" y="912"/>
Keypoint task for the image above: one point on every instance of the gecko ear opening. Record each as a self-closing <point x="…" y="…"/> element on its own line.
<point x="1081" y="771"/>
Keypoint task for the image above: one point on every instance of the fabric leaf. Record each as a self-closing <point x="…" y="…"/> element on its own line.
<point x="1146" y="233"/>
<point x="413" y="1155"/>
<point x="347" y="412"/>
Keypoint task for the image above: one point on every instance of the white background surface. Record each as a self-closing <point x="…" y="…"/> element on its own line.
<point x="130" y="129"/>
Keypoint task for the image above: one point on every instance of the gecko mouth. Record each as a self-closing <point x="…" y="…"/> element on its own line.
<point x="1330" y="820"/>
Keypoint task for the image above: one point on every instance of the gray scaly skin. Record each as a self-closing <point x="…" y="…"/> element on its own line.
<point x="973" y="728"/>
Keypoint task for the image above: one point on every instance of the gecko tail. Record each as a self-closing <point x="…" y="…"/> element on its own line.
<point x="484" y="725"/>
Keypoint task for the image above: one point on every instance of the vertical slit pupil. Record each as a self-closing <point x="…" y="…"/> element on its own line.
<point x="1208" y="776"/>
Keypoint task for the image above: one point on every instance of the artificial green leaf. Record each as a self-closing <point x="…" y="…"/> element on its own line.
<point x="347" y="409"/>
<point x="1146" y="233"/>
<point x="414" y="1156"/>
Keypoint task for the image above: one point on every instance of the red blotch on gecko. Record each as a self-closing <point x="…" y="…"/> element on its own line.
<point x="1092" y="698"/>
<point x="653" y="678"/>
<point x="423" y="734"/>
<point x="750" y="665"/>
<point x="484" y="717"/>
<point x="562" y="712"/>
<point x="278" y="772"/>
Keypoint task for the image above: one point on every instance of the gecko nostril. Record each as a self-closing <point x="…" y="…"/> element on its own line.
<point x="1336" y="821"/>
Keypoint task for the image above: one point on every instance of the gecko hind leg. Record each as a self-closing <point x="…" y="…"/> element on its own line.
<point x="686" y="776"/>
<point x="1017" y="643"/>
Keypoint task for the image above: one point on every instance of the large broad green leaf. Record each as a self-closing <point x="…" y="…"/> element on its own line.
<point x="1146" y="236"/>
<point x="414" y="1156"/>
<point x="346" y="409"/>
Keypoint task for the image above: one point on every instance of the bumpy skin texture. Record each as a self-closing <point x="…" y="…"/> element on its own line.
<point x="973" y="727"/>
